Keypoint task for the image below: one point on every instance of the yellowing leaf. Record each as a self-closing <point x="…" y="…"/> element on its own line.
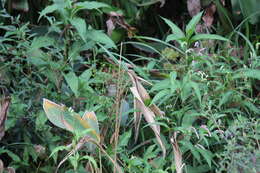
<point x="71" y="121"/>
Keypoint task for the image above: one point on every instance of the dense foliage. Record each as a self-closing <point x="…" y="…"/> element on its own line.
<point x="163" y="91"/>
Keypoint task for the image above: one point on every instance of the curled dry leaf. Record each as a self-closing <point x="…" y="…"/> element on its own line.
<point x="118" y="19"/>
<point x="140" y="96"/>
<point x="4" y="105"/>
<point x="193" y="7"/>
<point x="208" y="17"/>
<point x="177" y="154"/>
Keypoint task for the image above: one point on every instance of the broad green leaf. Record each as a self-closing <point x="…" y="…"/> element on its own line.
<point x="175" y="29"/>
<point x="193" y="150"/>
<point x="10" y="154"/>
<point x="225" y="98"/>
<point x="91" y="159"/>
<point x="86" y="75"/>
<point x="48" y="9"/>
<point x="73" y="82"/>
<point x="251" y="107"/>
<point x="196" y="88"/>
<point x="165" y="84"/>
<point x="250" y="73"/>
<point x="80" y="26"/>
<point x="191" y="26"/>
<point x="160" y="95"/>
<point x="206" y="154"/>
<point x="100" y="37"/>
<point x="124" y="138"/>
<point x="198" y="37"/>
<point x="57" y="149"/>
<point x="90" y="5"/>
<point x="250" y="8"/>
<point x="173" y="37"/>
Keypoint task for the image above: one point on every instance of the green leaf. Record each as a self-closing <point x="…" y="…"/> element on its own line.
<point x="80" y="26"/>
<point x="48" y="9"/>
<point x="190" y="28"/>
<point x="124" y="139"/>
<point x="164" y="84"/>
<point x="86" y="75"/>
<point x="196" y="88"/>
<point x="11" y="154"/>
<point x="198" y="37"/>
<point x="251" y="107"/>
<point x="175" y="29"/>
<point x="225" y="98"/>
<point x="249" y="8"/>
<point x="90" y="5"/>
<point x="91" y="159"/>
<point x="193" y="150"/>
<point x="73" y="82"/>
<point x="100" y="37"/>
<point x="206" y="154"/>
<point x="160" y="95"/>
<point x="173" y="37"/>
<point x="250" y="73"/>
<point x="59" y="148"/>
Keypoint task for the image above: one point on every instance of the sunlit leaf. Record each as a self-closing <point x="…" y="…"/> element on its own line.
<point x="175" y="29"/>
<point x="191" y="26"/>
<point x="198" y="37"/>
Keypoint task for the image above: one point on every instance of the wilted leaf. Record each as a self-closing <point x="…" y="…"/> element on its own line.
<point x="4" y="105"/>
<point x="141" y="96"/>
<point x="110" y="26"/>
<point x="61" y="117"/>
<point x="193" y="7"/>
<point x="177" y="154"/>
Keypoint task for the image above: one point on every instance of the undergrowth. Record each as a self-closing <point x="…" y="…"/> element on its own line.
<point x="186" y="103"/>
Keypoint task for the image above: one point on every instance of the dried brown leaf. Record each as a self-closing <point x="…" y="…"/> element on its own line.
<point x="177" y="154"/>
<point x="193" y="7"/>
<point x="208" y="17"/>
<point x="4" y="105"/>
<point x="149" y="117"/>
<point x="10" y="170"/>
<point x="1" y="166"/>
<point x="137" y="119"/>
<point x="110" y="26"/>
